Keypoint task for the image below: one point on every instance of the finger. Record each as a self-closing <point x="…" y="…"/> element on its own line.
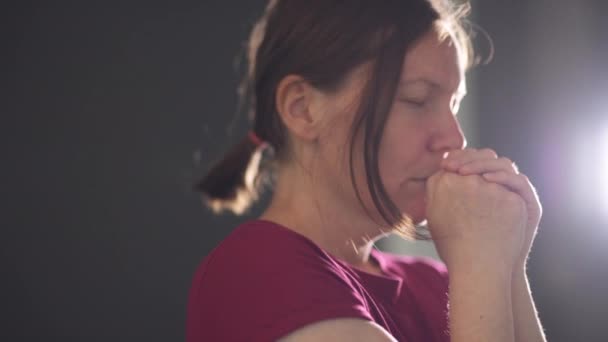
<point x="455" y="159"/>
<point x="451" y="157"/>
<point x="517" y="183"/>
<point x="488" y="165"/>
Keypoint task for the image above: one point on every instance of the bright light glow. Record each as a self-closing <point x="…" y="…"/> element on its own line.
<point x="603" y="171"/>
<point x="588" y="180"/>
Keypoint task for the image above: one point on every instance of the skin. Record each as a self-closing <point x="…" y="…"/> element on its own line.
<point x="416" y="137"/>
<point x="426" y="170"/>
<point x="503" y="171"/>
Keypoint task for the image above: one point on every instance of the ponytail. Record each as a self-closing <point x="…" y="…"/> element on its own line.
<point x="235" y="183"/>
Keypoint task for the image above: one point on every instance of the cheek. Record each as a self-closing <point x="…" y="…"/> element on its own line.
<point x="400" y="149"/>
<point x="401" y="157"/>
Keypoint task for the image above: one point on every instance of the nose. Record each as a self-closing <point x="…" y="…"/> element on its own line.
<point x="447" y="134"/>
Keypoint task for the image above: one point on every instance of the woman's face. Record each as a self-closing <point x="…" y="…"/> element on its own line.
<point x="422" y="125"/>
<point x="420" y="128"/>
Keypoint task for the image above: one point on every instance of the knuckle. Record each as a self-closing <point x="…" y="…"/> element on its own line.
<point x="506" y="161"/>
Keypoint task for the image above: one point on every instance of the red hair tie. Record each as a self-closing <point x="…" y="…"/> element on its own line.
<point x="255" y="139"/>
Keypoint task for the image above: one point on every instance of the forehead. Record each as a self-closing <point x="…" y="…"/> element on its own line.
<point x="434" y="60"/>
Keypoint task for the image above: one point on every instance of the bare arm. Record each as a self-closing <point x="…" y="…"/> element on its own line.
<point x="480" y="303"/>
<point x="478" y="229"/>
<point x="502" y="171"/>
<point x="526" y="321"/>
<point x="340" y="330"/>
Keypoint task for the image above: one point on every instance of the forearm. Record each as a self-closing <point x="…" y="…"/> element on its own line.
<point x="480" y="304"/>
<point x="526" y="322"/>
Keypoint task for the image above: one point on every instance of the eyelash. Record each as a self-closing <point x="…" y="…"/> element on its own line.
<point x="415" y="103"/>
<point x="454" y="104"/>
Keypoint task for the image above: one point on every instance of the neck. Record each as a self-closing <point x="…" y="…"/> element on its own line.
<point x="308" y="206"/>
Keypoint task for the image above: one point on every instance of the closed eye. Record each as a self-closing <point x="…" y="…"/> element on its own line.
<point x="416" y="103"/>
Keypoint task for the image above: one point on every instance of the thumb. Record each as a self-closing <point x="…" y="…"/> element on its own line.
<point x="431" y="185"/>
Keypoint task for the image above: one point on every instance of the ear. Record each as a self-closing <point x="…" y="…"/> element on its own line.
<point x="294" y="103"/>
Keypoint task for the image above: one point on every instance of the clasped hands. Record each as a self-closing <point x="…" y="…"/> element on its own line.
<point x="464" y="193"/>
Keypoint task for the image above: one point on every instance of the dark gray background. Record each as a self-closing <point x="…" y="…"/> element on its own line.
<point x="105" y="105"/>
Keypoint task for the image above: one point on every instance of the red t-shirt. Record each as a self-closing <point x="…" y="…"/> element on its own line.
<point x="265" y="281"/>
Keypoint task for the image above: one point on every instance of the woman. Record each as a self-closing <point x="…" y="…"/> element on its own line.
<point x="353" y="108"/>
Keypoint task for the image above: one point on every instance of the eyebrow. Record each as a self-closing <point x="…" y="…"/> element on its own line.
<point x="432" y="84"/>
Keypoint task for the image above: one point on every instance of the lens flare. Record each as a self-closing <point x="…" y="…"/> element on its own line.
<point x="603" y="171"/>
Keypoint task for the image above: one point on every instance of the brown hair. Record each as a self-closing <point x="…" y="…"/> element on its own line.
<point x="322" y="41"/>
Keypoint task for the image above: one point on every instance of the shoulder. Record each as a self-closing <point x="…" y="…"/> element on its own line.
<point x="264" y="248"/>
<point x="269" y="281"/>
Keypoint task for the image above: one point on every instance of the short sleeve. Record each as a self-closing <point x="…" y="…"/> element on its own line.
<point x="262" y="283"/>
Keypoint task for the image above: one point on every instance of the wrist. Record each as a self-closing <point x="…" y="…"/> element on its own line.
<point x="481" y="271"/>
<point x="480" y="302"/>
<point x="480" y="264"/>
